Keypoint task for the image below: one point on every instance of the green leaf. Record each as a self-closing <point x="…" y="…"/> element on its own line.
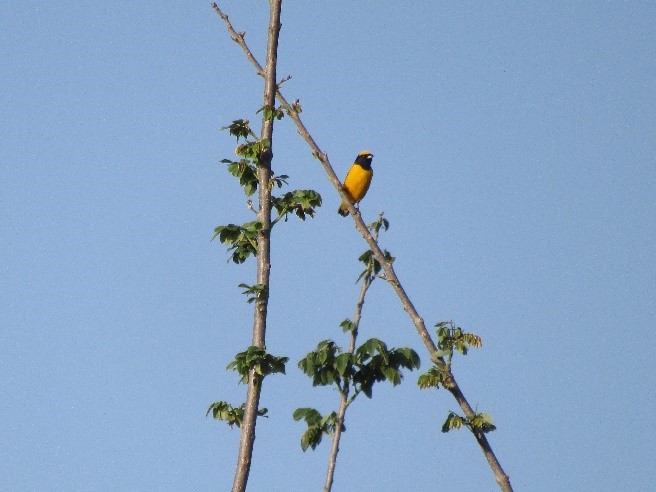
<point x="367" y="273"/>
<point x="311" y="438"/>
<point x="390" y="259"/>
<point x="407" y="358"/>
<point x="317" y="426"/>
<point x="433" y="378"/>
<point x="257" y="359"/>
<point x="453" y="421"/>
<point x="482" y="422"/>
<point x="342" y="363"/>
<point x="372" y="346"/>
<point x="253" y="150"/>
<point x="254" y="292"/>
<point x="302" y="203"/>
<point x="241" y="240"/>
<point x="372" y="265"/>
<point x="374" y="362"/>
<point x="347" y="325"/>
<point x="451" y="337"/>
<point x="278" y="181"/>
<point x="271" y="113"/>
<point x="320" y="364"/>
<point x="246" y="172"/>
<point x="380" y="223"/>
<point x="222" y="410"/>
<point x="239" y="128"/>
<point x="310" y="415"/>
<point x="392" y="375"/>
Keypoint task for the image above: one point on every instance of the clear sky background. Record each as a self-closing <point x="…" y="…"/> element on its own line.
<point x="515" y="158"/>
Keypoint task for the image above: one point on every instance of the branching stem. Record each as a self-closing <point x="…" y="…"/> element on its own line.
<point x="344" y="400"/>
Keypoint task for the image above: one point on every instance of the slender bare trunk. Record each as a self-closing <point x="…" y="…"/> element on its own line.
<point x="263" y="255"/>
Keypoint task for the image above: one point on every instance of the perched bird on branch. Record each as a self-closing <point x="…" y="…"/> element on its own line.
<point x="357" y="180"/>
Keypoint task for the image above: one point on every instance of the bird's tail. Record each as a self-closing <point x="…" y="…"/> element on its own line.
<point x="342" y="210"/>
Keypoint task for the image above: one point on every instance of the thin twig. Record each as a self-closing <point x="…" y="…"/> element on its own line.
<point x="282" y="81"/>
<point x="238" y="37"/>
<point x="344" y="400"/>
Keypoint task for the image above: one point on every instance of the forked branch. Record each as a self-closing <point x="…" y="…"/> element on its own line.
<point x="450" y="382"/>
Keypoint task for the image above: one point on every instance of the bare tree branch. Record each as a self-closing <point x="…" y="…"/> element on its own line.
<point x="263" y="245"/>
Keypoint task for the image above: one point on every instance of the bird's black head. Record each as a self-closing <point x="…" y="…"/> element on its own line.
<point x="364" y="158"/>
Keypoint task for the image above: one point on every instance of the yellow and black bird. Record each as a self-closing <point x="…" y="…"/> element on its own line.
<point x="357" y="180"/>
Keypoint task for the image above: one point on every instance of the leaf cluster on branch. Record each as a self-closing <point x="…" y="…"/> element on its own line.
<point x="241" y="240"/>
<point x="371" y="362"/>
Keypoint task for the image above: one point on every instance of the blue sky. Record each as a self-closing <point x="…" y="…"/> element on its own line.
<point x="514" y="157"/>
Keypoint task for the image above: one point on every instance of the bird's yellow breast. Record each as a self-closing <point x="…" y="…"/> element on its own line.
<point x="357" y="182"/>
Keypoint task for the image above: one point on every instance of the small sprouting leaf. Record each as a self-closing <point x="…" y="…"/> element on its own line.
<point x="254" y="292"/>
<point x="222" y="410"/>
<point x="368" y="259"/>
<point x="271" y="113"/>
<point x="433" y="378"/>
<point x="378" y="224"/>
<point x="453" y="421"/>
<point x="295" y="107"/>
<point x="239" y="128"/>
<point x="451" y="337"/>
<point x="372" y="265"/>
<point x="483" y="422"/>
<point x="478" y="422"/>
<point x="278" y="181"/>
